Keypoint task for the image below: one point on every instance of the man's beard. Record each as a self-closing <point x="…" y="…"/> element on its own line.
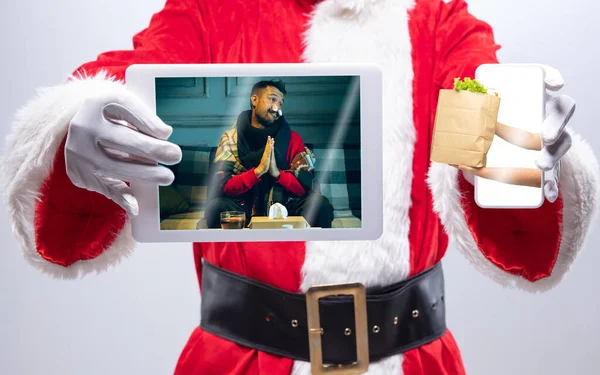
<point x="267" y="121"/>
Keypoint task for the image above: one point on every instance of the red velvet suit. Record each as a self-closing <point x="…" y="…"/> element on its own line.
<point x="421" y="48"/>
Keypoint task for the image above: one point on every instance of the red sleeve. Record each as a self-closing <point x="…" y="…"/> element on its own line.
<point x="462" y="44"/>
<point x="287" y="179"/>
<point x="290" y="183"/>
<point x="74" y="224"/>
<point x="176" y="34"/>
<point x="240" y="183"/>
<point x="520" y="242"/>
<point x="243" y="182"/>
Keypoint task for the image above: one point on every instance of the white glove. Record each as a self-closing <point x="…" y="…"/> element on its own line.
<point x="555" y="140"/>
<point x="104" y="149"/>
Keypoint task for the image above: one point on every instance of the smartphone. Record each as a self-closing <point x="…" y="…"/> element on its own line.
<point x="521" y="89"/>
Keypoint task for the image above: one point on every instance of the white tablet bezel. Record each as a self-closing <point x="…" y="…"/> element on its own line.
<point x="140" y="79"/>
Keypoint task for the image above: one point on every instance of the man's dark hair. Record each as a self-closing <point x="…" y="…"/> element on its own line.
<point x="279" y="85"/>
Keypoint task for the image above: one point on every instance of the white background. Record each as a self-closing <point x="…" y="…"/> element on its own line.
<point x="136" y="318"/>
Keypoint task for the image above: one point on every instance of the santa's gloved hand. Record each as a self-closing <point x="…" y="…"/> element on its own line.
<point x="117" y="138"/>
<point x="556" y="141"/>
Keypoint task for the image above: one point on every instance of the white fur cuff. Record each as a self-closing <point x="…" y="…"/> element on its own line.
<point x="578" y="187"/>
<point x="38" y="130"/>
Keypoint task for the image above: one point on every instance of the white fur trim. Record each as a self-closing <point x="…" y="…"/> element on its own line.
<point x="38" y="130"/>
<point x="387" y="260"/>
<point x="578" y="186"/>
<point x="388" y="366"/>
<point x="351" y="8"/>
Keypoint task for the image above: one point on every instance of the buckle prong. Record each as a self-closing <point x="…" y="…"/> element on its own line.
<point x="315" y="330"/>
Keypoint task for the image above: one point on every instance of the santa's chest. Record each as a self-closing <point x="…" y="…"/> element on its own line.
<point x="328" y="34"/>
<point x="378" y="36"/>
<point x="381" y="36"/>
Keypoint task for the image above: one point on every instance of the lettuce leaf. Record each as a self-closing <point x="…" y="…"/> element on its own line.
<point x="469" y="85"/>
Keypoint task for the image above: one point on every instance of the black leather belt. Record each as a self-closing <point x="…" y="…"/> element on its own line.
<point x="399" y="317"/>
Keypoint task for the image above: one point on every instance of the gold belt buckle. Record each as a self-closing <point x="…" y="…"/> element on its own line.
<point x="315" y="331"/>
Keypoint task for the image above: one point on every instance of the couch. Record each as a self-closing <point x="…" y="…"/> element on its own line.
<point x="182" y="203"/>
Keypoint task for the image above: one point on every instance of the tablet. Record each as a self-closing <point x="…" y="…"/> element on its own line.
<point x="321" y="179"/>
<point x="521" y="90"/>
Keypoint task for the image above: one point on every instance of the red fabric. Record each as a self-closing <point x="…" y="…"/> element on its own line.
<point x="427" y="239"/>
<point x="176" y="34"/>
<point x="73" y="224"/>
<point x="240" y="184"/>
<point x="522" y="242"/>
<point x="207" y="354"/>
<point x="440" y="357"/>
<point x="287" y="179"/>
<point x="279" y="265"/>
<point x="244" y="181"/>
<point x="290" y="183"/>
<point x="462" y="43"/>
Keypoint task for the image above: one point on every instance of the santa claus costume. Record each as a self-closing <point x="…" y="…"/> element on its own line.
<point x="421" y="46"/>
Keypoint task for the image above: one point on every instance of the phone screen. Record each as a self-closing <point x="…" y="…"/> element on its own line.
<point x="522" y="106"/>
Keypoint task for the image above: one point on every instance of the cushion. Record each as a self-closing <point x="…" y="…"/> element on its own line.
<point x="191" y="174"/>
<point x="171" y="201"/>
<point x="346" y="222"/>
<point x="184" y="221"/>
<point x="340" y="180"/>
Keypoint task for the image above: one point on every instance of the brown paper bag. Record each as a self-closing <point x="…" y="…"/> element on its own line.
<point x="464" y="127"/>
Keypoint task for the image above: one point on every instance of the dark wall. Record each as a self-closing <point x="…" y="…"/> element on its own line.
<point x="200" y="109"/>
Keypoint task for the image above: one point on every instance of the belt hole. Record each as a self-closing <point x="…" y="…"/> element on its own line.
<point x="294" y="323"/>
<point x="376" y="329"/>
<point x="415" y="313"/>
<point x="395" y="320"/>
<point x="347" y="331"/>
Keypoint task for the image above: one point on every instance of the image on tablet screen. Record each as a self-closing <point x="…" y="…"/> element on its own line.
<point x="262" y="152"/>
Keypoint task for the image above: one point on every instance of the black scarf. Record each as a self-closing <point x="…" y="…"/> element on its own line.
<point x="252" y="141"/>
<point x="251" y="144"/>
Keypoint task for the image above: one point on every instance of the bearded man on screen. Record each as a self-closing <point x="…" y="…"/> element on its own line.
<point x="259" y="162"/>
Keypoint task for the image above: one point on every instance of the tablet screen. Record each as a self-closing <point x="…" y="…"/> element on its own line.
<point x="229" y="179"/>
